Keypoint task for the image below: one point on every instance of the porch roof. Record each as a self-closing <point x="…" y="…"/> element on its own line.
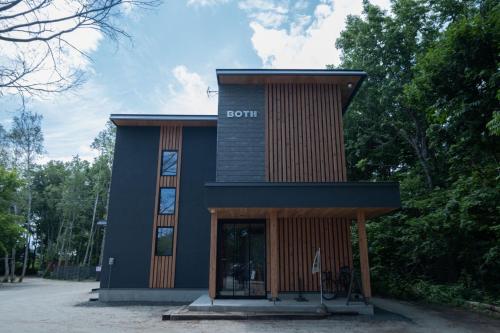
<point x="341" y="199"/>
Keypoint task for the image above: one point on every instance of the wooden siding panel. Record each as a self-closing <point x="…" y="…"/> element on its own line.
<point x="304" y="144"/>
<point x="162" y="274"/>
<point x="298" y="240"/>
<point x="304" y="133"/>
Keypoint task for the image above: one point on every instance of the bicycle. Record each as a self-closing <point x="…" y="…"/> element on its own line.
<point x="333" y="285"/>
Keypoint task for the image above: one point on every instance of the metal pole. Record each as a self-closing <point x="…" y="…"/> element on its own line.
<point x="103" y="240"/>
<point x="109" y="276"/>
<point x="320" y="279"/>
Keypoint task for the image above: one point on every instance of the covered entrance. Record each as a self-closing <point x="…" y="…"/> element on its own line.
<point x="241" y="259"/>
<point x="300" y="217"/>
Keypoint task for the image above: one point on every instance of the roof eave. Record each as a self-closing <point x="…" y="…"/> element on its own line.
<point x="153" y="119"/>
<point x="289" y="72"/>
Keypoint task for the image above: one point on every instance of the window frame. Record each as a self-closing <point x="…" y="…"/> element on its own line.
<point x="159" y="200"/>
<point x="176" y="161"/>
<point x="156" y="241"/>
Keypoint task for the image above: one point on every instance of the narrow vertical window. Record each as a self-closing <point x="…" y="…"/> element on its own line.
<point x="169" y="163"/>
<point x="167" y="201"/>
<point x="164" y="241"/>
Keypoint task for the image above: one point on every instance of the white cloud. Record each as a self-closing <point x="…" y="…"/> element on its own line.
<point x="73" y="120"/>
<point x="268" y="13"/>
<point x="205" y="3"/>
<point x="308" y="42"/>
<point x="188" y="95"/>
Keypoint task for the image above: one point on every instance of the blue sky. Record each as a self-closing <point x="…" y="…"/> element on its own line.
<point x="172" y="58"/>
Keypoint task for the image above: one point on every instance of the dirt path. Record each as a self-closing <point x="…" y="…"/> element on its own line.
<point x="47" y="306"/>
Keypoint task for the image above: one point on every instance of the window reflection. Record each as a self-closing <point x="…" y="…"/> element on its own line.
<point x="167" y="201"/>
<point x="164" y="241"/>
<point x="169" y="163"/>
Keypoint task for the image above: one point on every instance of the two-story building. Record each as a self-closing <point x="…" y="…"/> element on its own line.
<point x="236" y="204"/>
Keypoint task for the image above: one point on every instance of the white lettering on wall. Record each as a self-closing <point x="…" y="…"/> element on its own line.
<point x="241" y="114"/>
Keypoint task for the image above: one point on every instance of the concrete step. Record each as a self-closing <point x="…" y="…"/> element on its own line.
<point x="275" y="308"/>
<point x="183" y="313"/>
<point x="204" y="304"/>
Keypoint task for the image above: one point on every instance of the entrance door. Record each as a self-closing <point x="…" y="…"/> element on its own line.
<point x="241" y="262"/>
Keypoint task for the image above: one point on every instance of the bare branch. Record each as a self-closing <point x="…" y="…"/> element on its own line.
<point x="9" y="5"/>
<point x="43" y="24"/>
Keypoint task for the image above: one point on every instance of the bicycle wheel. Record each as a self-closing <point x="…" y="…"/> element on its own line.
<point x="328" y="286"/>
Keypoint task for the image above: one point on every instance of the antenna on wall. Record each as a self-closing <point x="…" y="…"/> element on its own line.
<point x="211" y="93"/>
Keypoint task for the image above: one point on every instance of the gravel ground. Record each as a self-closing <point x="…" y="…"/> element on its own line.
<point x="43" y="306"/>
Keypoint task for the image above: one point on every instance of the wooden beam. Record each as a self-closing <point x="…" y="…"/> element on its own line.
<point x="212" y="284"/>
<point x="273" y="228"/>
<point x="363" y="255"/>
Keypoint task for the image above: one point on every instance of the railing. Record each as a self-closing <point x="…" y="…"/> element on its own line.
<point x="74" y="273"/>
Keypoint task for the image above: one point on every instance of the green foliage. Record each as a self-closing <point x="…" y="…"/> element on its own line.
<point x="27" y="138"/>
<point x="4" y="148"/>
<point x="62" y="196"/>
<point x="428" y="118"/>
<point x="423" y="290"/>
<point x="10" y="231"/>
<point x="494" y="124"/>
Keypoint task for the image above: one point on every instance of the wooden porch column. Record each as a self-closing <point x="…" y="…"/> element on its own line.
<point x="273" y="230"/>
<point x="363" y="255"/>
<point x="212" y="282"/>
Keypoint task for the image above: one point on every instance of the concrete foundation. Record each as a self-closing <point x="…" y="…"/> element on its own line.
<point x="150" y="295"/>
<point x="287" y="304"/>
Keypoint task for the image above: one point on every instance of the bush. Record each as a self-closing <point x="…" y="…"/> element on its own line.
<point x="456" y="294"/>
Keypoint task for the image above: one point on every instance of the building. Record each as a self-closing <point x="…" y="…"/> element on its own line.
<point x="236" y="205"/>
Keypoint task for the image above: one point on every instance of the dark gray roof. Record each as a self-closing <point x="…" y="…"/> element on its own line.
<point x="291" y="72"/>
<point x="181" y="117"/>
<point x="159" y="119"/>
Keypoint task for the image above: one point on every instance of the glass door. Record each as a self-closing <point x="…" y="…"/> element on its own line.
<point x="242" y="259"/>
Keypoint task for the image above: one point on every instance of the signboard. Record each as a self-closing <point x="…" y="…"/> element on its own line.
<point x="242" y="114"/>
<point x="316" y="266"/>
<point x="97" y="268"/>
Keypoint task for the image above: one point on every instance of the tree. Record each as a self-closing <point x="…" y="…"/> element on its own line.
<point x="428" y="118"/>
<point x="48" y="180"/>
<point x="75" y="208"/>
<point x="27" y="140"/>
<point x="4" y="148"/>
<point x="104" y="143"/>
<point x="68" y="199"/>
<point x="10" y="231"/>
<point x="370" y="43"/>
<point x="35" y="35"/>
<point x="456" y="86"/>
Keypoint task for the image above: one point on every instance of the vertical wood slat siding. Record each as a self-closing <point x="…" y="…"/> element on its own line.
<point x="304" y="133"/>
<point x="299" y="238"/>
<point x="304" y="140"/>
<point x="162" y="273"/>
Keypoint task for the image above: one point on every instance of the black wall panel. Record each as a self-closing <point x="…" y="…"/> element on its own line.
<point x="193" y="234"/>
<point x="131" y="208"/>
